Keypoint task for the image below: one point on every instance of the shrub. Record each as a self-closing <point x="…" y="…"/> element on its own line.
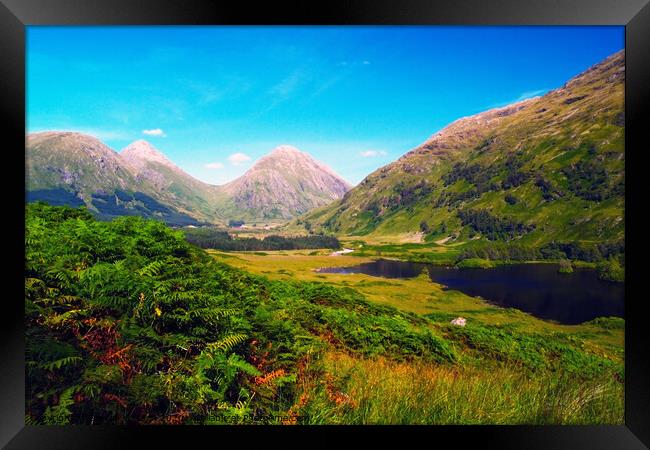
<point x="475" y="263"/>
<point x="511" y="199"/>
<point x="611" y="270"/>
<point x="565" y="266"/>
<point x="492" y="227"/>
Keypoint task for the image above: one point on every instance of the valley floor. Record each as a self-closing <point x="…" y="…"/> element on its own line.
<point x="485" y="390"/>
<point x="128" y="323"/>
<point x="417" y="295"/>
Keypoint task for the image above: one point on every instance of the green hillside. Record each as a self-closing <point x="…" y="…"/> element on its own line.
<point x="64" y="168"/>
<point x="127" y="323"/>
<point x="546" y="169"/>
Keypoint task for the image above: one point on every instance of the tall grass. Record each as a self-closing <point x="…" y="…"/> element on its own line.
<point x="380" y="391"/>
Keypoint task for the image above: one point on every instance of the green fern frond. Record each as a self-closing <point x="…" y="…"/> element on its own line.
<point x="60" y="300"/>
<point x="61" y="413"/>
<point x="152" y="269"/>
<point x="213" y="313"/>
<point x="226" y="344"/>
<point x="242" y="365"/>
<point x="30" y="283"/>
<point x="63" y="362"/>
<point x="59" y="319"/>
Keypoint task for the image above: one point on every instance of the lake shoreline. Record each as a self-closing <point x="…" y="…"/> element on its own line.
<point x="538" y="289"/>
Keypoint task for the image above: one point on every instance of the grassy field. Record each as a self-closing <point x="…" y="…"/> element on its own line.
<point x="418" y="295"/>
<point x="497" y="380"/>
<point x="128" y="323"/>
<point x="380" y="391"/>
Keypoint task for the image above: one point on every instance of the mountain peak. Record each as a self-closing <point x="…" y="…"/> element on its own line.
<point x="284" y="183"/>
<point x="141" y="151"/>
<point x="284" y="148"/>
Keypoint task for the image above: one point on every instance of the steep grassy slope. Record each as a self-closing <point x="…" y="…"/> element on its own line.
<point x="64" y="168"/>
<point x="174" y="186"/>
<point x="548" y="168"/>
<point x="80" y="162"/>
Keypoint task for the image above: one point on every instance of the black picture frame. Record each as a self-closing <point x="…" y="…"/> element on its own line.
<point x="633" y="14"/>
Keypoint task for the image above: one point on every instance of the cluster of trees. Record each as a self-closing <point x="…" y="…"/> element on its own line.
<point x="406" y="196"/>
<point x="475" y="174"/>
<point x="427" y="229"/>
<point x="127" y="323"/>
<point x="511" y="199"/>
<point x="515" y="178"/>
<point x="582" y="251"/>
<point x="481" y="178"/>
<point x="610" y="256"/>
<point x="493" y="227"/>
<point x="513" y="175"/>
<point x="333" y="223"/>
<point x="222" y="240"/>
<point x="549" y="190"/>
<point x="455" y="198"/>
<point x="495" y="252"/>
<point x="587" y="180"/>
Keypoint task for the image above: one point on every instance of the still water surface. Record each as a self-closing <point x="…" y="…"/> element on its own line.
<point x="534" y="288"/>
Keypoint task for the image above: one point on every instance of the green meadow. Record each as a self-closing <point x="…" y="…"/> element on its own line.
<point x="128" y="323"/>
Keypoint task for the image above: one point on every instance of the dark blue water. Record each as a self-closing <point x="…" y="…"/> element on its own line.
<point x="534" y="288"/>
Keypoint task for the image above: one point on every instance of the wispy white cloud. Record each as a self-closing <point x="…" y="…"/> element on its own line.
<point x="372" y="153"/>
<point x="290" y="83"/>
<point x="214" y="165"/>
<point x="238" y="158"/>
<point x="524" y="96"/>
<point x="154" y="132"/>
<point x="226" y="87"/>
<point x="530" y="94"/>
<point x="286" y="88"/>
<point x="325" y="86"/>
<point x="364" y="62"/>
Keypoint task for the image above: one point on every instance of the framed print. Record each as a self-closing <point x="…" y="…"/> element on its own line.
<point x="353" y="217"/>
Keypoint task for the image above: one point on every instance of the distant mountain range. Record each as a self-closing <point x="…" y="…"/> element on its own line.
<point x="77" y="169"/>
<point x="547" y="168"/>
<point x="543" y="169"/>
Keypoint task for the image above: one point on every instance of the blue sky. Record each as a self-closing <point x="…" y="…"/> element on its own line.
<point x="214" y="99"/>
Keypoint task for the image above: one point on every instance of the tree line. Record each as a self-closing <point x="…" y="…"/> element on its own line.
<point x="222" y="240"/>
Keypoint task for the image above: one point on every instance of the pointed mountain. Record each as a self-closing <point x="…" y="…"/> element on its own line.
<point x="140" y="153"/>
<point x="74" y="162"/>
<point x="547" y="168"/>
<point x="285" y="183"/>
<point x="173" y="185"/>
<point x="68" y="168"/>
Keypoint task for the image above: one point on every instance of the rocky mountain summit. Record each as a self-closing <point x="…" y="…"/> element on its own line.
<point x="284" y="183"/>
<point x="77" y="169"/>
<point x="140" y="153"/>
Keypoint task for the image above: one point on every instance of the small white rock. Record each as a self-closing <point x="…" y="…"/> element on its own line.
<point x="459" y="321"/>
